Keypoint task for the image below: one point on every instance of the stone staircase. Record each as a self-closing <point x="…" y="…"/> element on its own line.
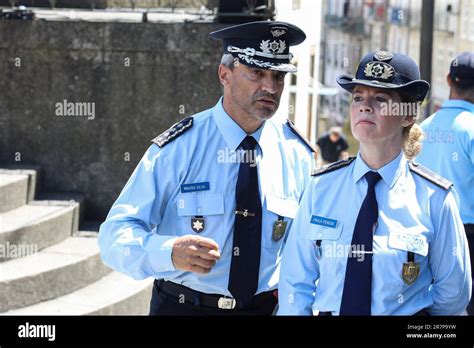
<point x="48" y="266"/>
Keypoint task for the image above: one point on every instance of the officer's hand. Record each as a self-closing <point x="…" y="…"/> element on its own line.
<point x="195" y="254"/>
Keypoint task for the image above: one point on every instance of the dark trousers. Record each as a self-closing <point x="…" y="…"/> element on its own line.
<point x="167" y="304"/>
<point x="470" y="239"/>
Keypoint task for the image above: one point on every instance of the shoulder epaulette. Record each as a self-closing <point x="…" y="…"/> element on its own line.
<point x="292" y="127"/>
<point x="429" y="175"/>
<point x="333" y="166"/>
<point x="173" y="132"/>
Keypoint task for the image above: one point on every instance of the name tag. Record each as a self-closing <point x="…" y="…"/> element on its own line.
<point x="323" y="221"/>
<point x="416" y="243"/>
<point x="198" y="186"/>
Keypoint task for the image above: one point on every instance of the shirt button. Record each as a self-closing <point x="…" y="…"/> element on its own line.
<point x="199" y="209"/>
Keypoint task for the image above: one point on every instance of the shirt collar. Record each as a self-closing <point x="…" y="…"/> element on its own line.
<point x="389" y="172"/>
<point x="458" y="104"/>
<point x="232" y="133"/>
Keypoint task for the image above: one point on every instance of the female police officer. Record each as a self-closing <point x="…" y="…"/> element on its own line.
<point x="378" y="234"/>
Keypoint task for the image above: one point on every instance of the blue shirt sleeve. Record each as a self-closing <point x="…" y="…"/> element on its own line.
<point x="127" y="239"/>
<point x="469" y="138"/>
<point x="449" y="261"/>
<point x="299" y="266"/>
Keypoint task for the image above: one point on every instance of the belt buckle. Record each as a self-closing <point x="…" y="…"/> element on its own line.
<point x="226" y="303"/>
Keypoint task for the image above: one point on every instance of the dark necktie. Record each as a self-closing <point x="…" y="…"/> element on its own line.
<point x="245" y="264"/>
<point x="356" y="296"/>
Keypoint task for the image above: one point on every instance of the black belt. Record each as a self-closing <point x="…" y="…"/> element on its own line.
<point x="188" y="295"/>
<point x="423" y="312"/>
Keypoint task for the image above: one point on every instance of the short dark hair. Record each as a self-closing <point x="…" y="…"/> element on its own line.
<point x="228" y="60"/>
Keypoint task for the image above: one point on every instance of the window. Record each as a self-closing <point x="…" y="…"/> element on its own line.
<point x="296" y="5"/>
<point x="292" y="107"/>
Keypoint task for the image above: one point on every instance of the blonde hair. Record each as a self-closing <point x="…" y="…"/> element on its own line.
<point x="412" y="137"/>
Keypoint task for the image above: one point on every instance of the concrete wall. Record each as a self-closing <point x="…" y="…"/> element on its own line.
<point x="58" y="3"/>
<point x="158" y="3"/>
<point x="172" y="74"/>
<point x="110" y="3"/>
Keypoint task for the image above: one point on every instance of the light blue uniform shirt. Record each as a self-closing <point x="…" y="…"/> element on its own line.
<point x="414" y="215"/>
<point x="159" y="200"/>
<point x="448" y="149"/>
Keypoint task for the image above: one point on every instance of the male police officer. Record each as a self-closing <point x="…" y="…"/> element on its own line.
<point x="448" y="148"/>
<point x="208" y="208"/>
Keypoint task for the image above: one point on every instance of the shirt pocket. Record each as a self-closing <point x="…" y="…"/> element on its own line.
<point x="325" y="237"/>
<point x="318" y="232"/>
<point x="202" y="214"/>
<point x="282" y="211"/>
<point x="400" y="243"/>
<point x="330" y="252"/>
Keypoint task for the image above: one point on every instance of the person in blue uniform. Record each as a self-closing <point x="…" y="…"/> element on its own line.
<point x="378" y="234"/>
<point x="208" y="208"/>
<point x="448" y="145"/>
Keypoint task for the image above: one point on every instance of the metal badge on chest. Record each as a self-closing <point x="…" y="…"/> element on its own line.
<point x="411" y="269"/>
<point x="198" y="224"/>
<point x="279" y="228"/>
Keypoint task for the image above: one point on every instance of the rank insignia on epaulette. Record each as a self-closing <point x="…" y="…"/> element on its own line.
<point x="429" y="175"/>
<point x="333" y="166"/>
<point x="173" y="132"/>
<point x="295" y="131"/>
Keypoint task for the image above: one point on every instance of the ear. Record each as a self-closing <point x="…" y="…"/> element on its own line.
<point x="408" y="121"/>
<point x="449" y="80"/>
<point x="225" y="75"/>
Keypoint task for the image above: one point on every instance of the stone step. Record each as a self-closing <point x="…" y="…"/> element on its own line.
<point x="66" y="198"/>
<point x="13" y="191"/>
<point x="53" y="272"/>
<point x="33" y="174"/>
<point x="35" y="226"/>
<point x="115" y="294"/>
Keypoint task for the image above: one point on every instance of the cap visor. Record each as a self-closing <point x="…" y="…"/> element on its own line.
<point x="418" y="89"/>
